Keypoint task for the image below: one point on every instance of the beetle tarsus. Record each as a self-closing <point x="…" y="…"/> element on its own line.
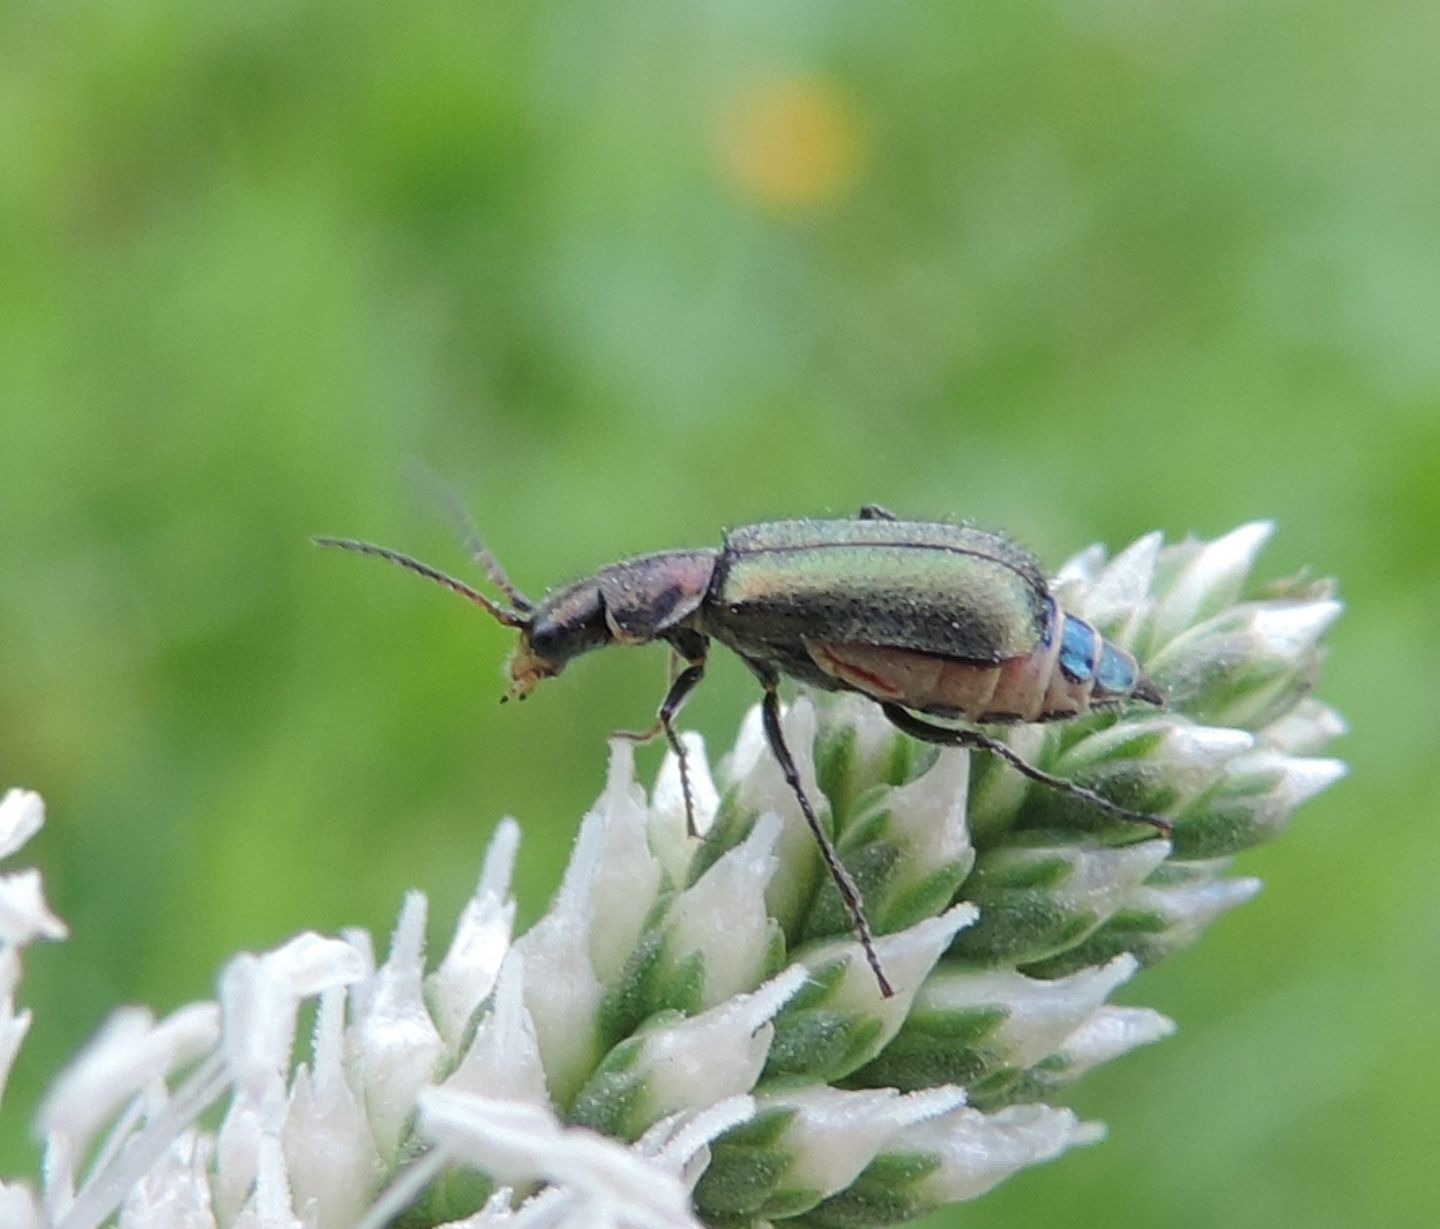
<point x="637" y="736"/>
<point x="943" y="735"/>
<point x="849" y="893"/>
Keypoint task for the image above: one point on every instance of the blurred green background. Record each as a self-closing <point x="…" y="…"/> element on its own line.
<point x="629" y="273"/>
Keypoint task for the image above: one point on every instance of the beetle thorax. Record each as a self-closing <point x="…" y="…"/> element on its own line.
<point x="646" y="598"/>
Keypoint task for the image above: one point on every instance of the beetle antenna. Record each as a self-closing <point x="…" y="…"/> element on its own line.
<point x="510" y="618"/>
<point x="480" y="554"/>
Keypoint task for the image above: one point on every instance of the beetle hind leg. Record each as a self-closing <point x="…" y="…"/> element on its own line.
<point x="947" y="737"/>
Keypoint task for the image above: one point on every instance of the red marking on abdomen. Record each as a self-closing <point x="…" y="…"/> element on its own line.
<point x="874" y="671"/>
<point x="923" y="681"/>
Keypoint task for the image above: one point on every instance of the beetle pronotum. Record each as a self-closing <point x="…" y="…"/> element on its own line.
<point x="921" y="617"/>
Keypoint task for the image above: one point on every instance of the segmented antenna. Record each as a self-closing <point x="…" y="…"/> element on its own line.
<point x="510" y="618"/>
<point x="459" y="517"/>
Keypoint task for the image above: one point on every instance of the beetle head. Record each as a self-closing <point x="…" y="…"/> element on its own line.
<point x="565" y="625"/>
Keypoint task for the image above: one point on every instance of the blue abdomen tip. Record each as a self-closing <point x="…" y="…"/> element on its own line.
<point x="1077" y="649"/>
<point x="1117" y="672"/>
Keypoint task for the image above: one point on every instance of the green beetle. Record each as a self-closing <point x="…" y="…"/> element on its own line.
<point x="921" y="617"/>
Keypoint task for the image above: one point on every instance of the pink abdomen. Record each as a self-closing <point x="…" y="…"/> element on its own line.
<point x="1063" y="676"/>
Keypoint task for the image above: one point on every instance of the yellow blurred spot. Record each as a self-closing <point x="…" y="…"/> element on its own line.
<point x="791" y="143"/>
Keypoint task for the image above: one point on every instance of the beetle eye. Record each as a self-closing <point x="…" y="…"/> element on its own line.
<point x="544" y="640"/>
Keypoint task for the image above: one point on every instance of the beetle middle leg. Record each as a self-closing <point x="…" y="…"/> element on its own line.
<point x="849" y="893"/>
<point x="680" y="688"/>
<point x="947" y="737"/>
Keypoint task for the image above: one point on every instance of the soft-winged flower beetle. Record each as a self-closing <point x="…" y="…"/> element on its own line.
<point x="921" y="617"/>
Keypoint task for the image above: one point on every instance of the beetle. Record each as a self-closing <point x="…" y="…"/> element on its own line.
<point x="928" y="619"/>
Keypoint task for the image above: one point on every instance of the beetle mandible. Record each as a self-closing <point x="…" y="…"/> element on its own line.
<point x="921" y="617"/>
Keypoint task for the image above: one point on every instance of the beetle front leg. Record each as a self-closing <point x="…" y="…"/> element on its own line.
<point x="947" y="737"/>
<point x="680" y="689"/>
<point x="849" y="893"/>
